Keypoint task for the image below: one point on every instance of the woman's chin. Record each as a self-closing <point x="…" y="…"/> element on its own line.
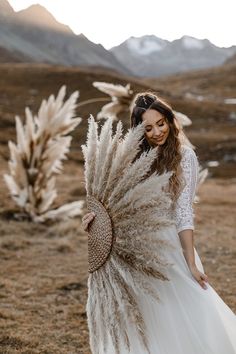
<point x="158" y="143"/>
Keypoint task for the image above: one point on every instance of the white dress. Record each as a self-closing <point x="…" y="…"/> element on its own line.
<point x="188" y="319"/>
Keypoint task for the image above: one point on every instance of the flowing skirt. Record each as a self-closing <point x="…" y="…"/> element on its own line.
<point x="187" y="319"/>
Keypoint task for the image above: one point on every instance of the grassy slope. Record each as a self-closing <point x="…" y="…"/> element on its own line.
<point x="215" y="83"/>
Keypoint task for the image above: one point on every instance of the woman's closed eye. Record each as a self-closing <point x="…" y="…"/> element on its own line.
<point x="159" y="124"/>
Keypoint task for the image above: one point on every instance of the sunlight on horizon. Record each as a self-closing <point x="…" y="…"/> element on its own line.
<point x="111" y="23"/>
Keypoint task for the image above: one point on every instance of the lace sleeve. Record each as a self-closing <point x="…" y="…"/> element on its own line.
<point x="184" y="205"/>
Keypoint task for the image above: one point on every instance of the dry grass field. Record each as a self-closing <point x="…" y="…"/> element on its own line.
<point x="43" y="268"/>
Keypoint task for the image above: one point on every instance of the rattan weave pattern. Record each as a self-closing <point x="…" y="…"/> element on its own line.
<point x="100" y="237"/>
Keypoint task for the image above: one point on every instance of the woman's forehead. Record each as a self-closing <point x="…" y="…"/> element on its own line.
<point x="151" y="115"/>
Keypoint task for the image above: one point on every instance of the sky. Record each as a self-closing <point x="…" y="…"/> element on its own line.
<point x="111" y="22"/>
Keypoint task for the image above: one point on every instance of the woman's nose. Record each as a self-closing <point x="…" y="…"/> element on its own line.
<point x="156" y="132"/>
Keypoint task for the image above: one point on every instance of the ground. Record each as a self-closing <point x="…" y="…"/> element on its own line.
<point x="43" y="268"/>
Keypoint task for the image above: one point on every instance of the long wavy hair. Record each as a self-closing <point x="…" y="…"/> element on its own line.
<point x="169" y="154"/>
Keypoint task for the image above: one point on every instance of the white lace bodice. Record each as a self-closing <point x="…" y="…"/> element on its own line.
<point x="184" y="206"/>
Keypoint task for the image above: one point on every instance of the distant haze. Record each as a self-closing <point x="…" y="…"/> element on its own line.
<point x="112" y="22"/>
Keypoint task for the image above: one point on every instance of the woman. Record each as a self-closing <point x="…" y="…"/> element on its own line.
<point x="190" y="318"/>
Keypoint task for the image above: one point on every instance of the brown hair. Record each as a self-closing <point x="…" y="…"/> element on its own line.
<point x="169" y="155"/>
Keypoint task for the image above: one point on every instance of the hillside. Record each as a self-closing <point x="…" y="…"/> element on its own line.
<point x="214" y="84"/>
<point x="213" y="129"/>
<point x="231" y="60"/>
<point x="10" y="56"/>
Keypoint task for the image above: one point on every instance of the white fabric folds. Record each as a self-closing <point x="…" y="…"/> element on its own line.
<point x="187" y="319"/>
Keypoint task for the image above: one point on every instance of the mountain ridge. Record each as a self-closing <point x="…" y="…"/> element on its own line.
<point x="35" y="35"/>
<point x="46" y="40"/>
<point x="40" y="16"/>
<point x="168" y="57"/>
<point x="5" y="8"/>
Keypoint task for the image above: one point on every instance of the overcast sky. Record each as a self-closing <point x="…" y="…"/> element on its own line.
<point x="111" y="22"/>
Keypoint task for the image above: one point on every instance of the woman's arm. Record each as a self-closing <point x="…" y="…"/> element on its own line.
<point x="184" y="212"/>
<point x="187" y="243"/>
<point x="184" y="204"/>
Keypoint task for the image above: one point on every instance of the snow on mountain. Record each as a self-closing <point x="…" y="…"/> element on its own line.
<point x="192" y="43"/>
<point x="145" y="45"/>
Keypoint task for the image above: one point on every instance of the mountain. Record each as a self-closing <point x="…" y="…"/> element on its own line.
<point x="5" y="8"/>
<point x="36" y="35"/>
<point x="9" y="56"/>
<point x="231" y="60"/>
<point x="150" y="56"/>
<point x="37" y="15"/>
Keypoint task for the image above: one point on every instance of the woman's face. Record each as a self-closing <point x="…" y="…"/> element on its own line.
<point x="156" y="127"/>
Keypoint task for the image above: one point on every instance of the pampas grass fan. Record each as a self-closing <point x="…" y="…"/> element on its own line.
<point x="125" y="239"/>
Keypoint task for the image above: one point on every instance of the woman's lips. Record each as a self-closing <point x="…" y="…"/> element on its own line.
<point x="158" y="140"/>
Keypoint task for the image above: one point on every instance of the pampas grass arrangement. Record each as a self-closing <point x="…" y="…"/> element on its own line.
<point x="37" y="157"/>
<point x="122" y="101"/>
<point x="121" y="98"/>
<point x="183" y="121"/>
<point x="127" y="233"/>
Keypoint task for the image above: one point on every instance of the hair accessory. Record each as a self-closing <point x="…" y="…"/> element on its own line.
<point x="144" y="99"/>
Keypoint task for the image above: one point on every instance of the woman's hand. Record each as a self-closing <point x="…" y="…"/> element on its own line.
<point x="186" y="240"/>
<point x="86" y="220"/>
<point x="200" y="277"/>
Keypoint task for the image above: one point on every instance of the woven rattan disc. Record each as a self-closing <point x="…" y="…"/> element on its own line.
<point x="99" y="235"/>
